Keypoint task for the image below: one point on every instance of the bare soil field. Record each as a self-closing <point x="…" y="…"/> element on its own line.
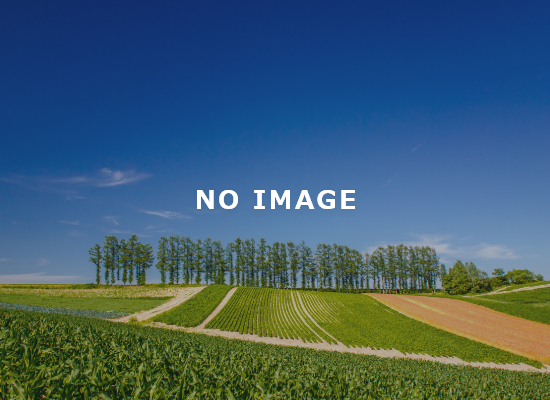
<point x="506" y="332"/>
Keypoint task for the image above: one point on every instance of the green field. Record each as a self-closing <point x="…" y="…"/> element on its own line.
<point x="195" y="310"/>
<point x="533" y="305"/>
<point x="100" y="304"/>
<point x="355" y="320"/>
<point x="53" y="356"/>
<point x="519" y="286"/>
<point x="264" y="312"/>
<point x="363" y="321"/>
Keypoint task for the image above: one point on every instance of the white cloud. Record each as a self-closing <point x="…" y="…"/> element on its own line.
<point x="43" y="261"/>
<point x="450" y="252"/>
<point x="115" y="178"/>
<point x="416" y="148"/>
<point x="113" y="220"/>
<point x="494" y="251"/>
<point x="38" y="278"/>
<point x="105" y="178"/>
<point x="167" y="214"/>
<point x="70" y="222"/>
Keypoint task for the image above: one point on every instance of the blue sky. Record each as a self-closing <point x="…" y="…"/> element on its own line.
<point x="113" y="115"/>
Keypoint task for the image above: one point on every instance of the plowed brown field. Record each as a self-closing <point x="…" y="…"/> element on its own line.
<point x="516" y="335"/>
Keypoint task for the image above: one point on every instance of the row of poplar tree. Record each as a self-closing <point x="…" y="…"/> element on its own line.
<point x="279" y="265"/>
<point x="130" y="257"/>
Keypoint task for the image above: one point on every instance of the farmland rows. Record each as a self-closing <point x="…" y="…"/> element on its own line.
<point x="353" y="320"/>
<point x="263" y="312"/>
<point x="57" y="356"/>
<point x="195" y="310"/>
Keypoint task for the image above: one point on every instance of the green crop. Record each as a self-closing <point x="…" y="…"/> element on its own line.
<point x="533" y="305"/>
<point x="65" y="311"/>
<point x="196" y="309"/>
<point x="264" y="312"/>
<point x="354" y="320"/>
<point x="63" y="357"/>
<point x="358" y="320"/>
<point x="124" y="305"/>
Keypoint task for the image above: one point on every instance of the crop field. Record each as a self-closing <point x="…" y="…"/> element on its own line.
<point x="66" y="311"/>
<point x="195" y="310"/>
<point x="124" y="305"/>
<point x="118" y="299"/>
<point x="533" y="305"/>
<point x="56" y="356"/>
<point x="104" y="292"/>
<point x="517" y="335"/>
<point x="263" y="312"/>
<point x="354" y="320"/>
<point x="524" y="285"/>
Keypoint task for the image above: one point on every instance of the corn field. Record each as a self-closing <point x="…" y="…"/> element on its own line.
<point x="65" y="357"/>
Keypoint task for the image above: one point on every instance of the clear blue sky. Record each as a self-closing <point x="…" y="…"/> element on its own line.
<point x="113" y="114"/>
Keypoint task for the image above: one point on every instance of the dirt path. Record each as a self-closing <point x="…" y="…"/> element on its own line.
<point x="516" y="335"/>
<point x="183" y="295"/>
<point x="216" y="311"/>
<point x="355" y="350"/>
<point x="502" y="291"/>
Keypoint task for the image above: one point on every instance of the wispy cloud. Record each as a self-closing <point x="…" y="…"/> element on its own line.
<point x="416" y="148"/>
<point x="116" y="178"/>
<point x="391" y="179"/>
<point x="70" y="222"/>
<point x="167" y="214"/>
<point x="39" y="278"/>
<point x="3" y="259"/>
<point x="113" y="220"/>
<point x="105" y="178"/>
<point x="449" y="252"/>
<point x="43" y="261"/>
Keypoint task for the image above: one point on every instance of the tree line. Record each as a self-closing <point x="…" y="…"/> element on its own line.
<point x="467" y="278"/>
<point x="279" y="265"/>
<point x="130" y="257"/>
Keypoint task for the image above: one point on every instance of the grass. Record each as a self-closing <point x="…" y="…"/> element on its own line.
<point x="129" y="306"/>
<point x="533" y="305"/>
<point x="362" y="321"/>
<point x="519" y="286"/>
<point x="65" y="357"/>
<point x="195" y="310"/>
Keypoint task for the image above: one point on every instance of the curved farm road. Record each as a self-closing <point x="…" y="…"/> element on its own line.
<point x="516" y="335"/>
<point x="183" y="295"/>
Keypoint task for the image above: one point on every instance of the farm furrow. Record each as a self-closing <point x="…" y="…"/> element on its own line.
<point x="513" y="334"/>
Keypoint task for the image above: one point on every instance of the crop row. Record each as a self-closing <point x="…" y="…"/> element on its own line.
<point x="195" y="310"/>
<point x="264" y="312"/>
<point x="56" y="356"/>
<point x="359" y="320"/>
<point x="65" y="311"/>
<point x="113" y="292"/>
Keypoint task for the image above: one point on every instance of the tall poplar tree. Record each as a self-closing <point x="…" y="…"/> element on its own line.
<point x="162" y="258"/>
<point x="96" y="258"/>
